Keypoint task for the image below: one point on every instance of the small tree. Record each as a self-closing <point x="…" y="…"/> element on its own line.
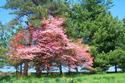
<point x="117" y="58"/>
<point x="3" y="56"/>
<point x="50" y="45"/>
<point x="101" y="62"/>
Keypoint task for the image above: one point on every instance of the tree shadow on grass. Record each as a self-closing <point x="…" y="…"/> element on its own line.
<point x="57" y="75"/>
<point x="6" y="78"/>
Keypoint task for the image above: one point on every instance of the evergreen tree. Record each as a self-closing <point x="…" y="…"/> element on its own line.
<point x="34" y="10"/>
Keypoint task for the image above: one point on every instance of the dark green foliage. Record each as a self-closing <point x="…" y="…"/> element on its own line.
<point x="34" y="10"/>
<point x="101" y="62"/>
<point x="107" y="33"/>
<point x="117" y="58"/>
<point x="81" y="20"/>
<point x="100" y="30"/>
<point x="92" y="21"/>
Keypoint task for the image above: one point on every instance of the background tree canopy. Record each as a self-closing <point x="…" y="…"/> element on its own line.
<point x="89" y="20"/>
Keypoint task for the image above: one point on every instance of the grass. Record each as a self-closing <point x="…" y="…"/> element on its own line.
<point x="79" y="78"/>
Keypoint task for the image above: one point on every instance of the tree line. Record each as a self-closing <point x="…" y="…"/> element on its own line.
<point x="88" y="20"/>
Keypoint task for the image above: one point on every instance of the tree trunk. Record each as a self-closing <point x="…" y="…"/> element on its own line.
<point x="60" y="68"/>
<point x="16" y="70"/>
<point x="21" y="69"/>
<point x="76" y="70"/>
<point x="123" y="69"/>
<point x="25" y="72"/>
<point x="47" y="71"/>
<point x="116" y="68"/>
<point x="38" y="71"/>
<point x="69" y="71"/>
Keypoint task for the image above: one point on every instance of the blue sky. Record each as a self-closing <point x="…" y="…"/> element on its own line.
<point x="117" y="11"/>
<point x="4" y="14"/>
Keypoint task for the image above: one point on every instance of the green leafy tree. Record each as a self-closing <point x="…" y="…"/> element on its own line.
<point x="122" y="62"/>
<point x="5" y="36"/>
<point x="121" y="37"/>
<point x="3" y="56"/>
<point x="82" y="17"/>
<point x="92" y="21"/>
<point x="3" y="44"/>
<point x="120" y="45"/>
<point x="105" y="38"/>
<point x="117" y="58"/>
<point x="34" y="10"/>
<point x="101" y="60"/>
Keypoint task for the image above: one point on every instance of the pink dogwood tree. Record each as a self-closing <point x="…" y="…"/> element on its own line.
<point x="50" y="46"/>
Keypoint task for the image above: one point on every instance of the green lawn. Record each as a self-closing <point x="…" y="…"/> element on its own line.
<point x="81" y="78"/>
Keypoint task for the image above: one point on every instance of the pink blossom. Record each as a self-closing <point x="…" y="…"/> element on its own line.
<point x="51" y="44"/>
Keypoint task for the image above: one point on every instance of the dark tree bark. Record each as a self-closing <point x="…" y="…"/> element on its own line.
<point x="16" y="67"/>
<point x="60" y="68"/>
<point x="47" y="71"/>
<point x="69" y="70"/>
<point x="25" y="72"/>
<point x="21" y="69"/>
<point x="76" y="70"/>
<point x="38" y="71"/>
<point x="26" y="66"/>
<point x="116" y="68"/>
